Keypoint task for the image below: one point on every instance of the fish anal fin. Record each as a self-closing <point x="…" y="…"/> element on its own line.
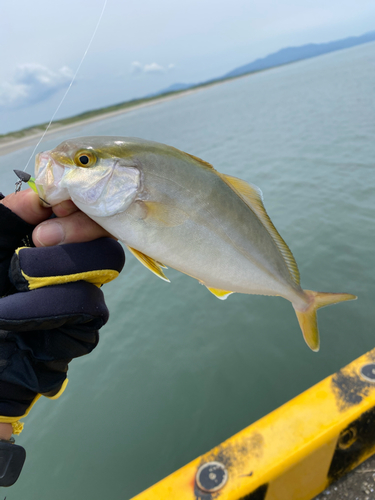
<point x="163" y="214"/>
<point x="220" y="294"/>
<point x="150" y="263"/>
<point x="253" y="197"/>
<point x="202" y="162"/>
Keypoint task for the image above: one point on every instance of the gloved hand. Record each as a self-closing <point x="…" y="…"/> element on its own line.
<point x="54" y="316"/>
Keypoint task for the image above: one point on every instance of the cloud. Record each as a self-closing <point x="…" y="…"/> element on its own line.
<point x="153" y="68"/>
<point x="137" y="68"/>
<point x="32" y="83"/>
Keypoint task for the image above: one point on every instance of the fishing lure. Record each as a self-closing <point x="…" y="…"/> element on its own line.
<point x="26" y="178"/>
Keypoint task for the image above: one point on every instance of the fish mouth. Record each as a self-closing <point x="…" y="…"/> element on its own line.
<point x="48" y="175"/>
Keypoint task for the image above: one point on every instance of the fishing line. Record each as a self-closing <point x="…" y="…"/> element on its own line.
<point x="71" y="83"/>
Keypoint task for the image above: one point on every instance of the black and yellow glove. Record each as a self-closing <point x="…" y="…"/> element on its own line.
<point x="54" y="316"/>
<point x="96" y="262"/>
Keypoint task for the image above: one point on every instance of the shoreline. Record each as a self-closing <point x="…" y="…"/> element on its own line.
<point x="13" y="144"/>
<point x="10" y="142"/>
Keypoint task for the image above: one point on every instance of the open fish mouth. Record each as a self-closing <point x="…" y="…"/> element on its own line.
<point x="105" y="190"/>
<point x="48" y="175"/>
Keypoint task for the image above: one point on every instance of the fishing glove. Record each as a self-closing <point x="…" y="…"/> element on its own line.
<point x="51" y="311"/>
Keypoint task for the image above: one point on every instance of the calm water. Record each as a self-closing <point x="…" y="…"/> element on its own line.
<point x="178" y="371"/>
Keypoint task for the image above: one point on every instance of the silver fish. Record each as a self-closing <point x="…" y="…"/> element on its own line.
<point x="173" y="209"/>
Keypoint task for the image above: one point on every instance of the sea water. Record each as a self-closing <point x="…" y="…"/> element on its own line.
<point x="178" y="371"/>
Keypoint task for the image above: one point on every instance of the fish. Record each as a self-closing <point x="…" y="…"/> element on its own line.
<point x="173" y="209"/>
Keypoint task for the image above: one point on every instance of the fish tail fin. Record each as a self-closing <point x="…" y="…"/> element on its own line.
<point x="307" y="316"/>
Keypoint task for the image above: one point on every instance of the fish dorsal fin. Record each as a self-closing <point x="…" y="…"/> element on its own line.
<point x="150" y="263"/>
<point x="202" y="162"/>
<point x="220" y="294"/>
<point x="253" y="197"/>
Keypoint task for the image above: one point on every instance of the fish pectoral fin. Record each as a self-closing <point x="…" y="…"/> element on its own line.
<point x="253" y="198"/>
<point x="162" y="214"/>
<point x="150" y="263"/>
<point x="220" y="294"/>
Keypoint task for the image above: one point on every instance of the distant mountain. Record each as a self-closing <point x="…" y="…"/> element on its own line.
<point x="179" y="86"/>
<point x="175" y="87"/>
<point x="283" y="56"/>
<point x="292" y="54"/>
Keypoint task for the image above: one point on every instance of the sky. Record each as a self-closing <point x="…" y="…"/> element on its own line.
<point x="144" y="46"/>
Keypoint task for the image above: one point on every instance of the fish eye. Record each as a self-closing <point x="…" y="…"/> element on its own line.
<point x="85" y="159"/>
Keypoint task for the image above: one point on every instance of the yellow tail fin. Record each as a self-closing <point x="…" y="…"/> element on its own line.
<point x="307" y="317"/>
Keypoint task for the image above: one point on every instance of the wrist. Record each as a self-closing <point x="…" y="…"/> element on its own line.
<point x="6" y="431"/>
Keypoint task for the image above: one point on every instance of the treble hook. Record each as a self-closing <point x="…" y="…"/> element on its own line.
<point x="23" y="177"/>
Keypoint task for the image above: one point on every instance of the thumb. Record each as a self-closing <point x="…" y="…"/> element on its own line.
<point x="76" y="227"/>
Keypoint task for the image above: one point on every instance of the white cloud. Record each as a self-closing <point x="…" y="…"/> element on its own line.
<point x="32" y="83"/>
<point x="136" y="68"/>
<point x="153" y="68"/>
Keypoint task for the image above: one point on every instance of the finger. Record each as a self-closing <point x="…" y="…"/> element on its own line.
<point x="26" y="205"/>
<point x="74" y="228"/>
<point x="52" y="307"/>
<point x="97" y="262"/>
<point x="65" y="208"/>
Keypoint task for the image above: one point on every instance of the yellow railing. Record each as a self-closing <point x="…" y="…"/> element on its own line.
<point x="293" y="453"/>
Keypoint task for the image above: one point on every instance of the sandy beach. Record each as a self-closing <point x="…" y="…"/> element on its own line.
<point x="8" y="145"/>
